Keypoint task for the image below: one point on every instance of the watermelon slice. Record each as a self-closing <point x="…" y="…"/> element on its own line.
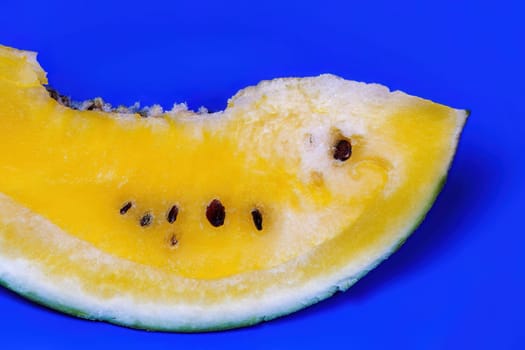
<point x="183" y="221"/>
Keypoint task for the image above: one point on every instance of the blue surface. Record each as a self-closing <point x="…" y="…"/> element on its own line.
<point x="459" y="280"/>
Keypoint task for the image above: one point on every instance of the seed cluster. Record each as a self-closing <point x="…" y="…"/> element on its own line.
<point x="98" y="104"/>
<point x="215" y="213"/>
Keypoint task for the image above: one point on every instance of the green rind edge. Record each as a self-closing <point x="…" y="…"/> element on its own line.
<point x="341" y="286"/>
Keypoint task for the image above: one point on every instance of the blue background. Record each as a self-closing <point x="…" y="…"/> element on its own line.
<point x="458" y="282"/>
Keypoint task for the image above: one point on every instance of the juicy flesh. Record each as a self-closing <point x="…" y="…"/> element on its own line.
<point x="78" y="169"/>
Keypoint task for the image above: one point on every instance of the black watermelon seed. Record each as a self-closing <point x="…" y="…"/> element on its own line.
<point x="52" y="92"/>
<point x="62" y="99"/>
<point x="173" y="240"/>
<point x="127" y="206"/>
<point x="257" y="219"/>
<point x="146" y="220"/>
<point x="96" y="104"/>
<point x="215" y="213"/>
<point x="342" y="150"/>
<point x="91" y="106"/>
<point x="172" y="214"/>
